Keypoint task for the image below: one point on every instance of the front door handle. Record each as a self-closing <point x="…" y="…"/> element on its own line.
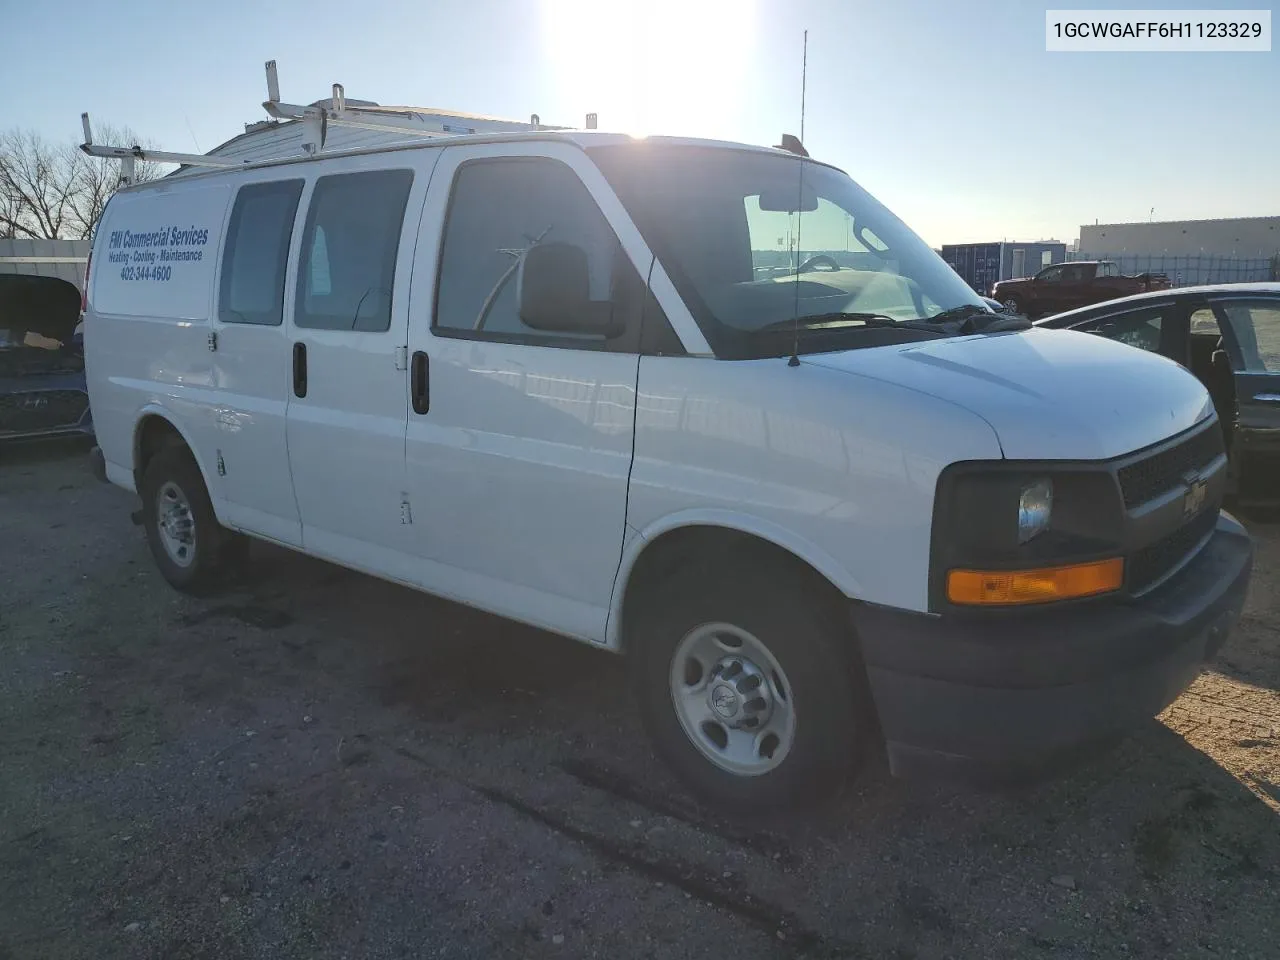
<point x="1267" y="397"/>
<point x="299" y="369"/>
<point x="420" y="382"/>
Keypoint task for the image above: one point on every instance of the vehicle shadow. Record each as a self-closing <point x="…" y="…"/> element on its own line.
<point x="1153" y="844"/>
<point x="20" y="453"/>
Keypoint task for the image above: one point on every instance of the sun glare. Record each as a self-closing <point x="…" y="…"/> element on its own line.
<point x="651" y="66"/>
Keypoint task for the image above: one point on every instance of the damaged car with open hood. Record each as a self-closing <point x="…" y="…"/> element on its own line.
<point x="42" y="380"/>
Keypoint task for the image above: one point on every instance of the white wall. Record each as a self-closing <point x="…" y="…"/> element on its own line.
<point x="46" y="258"/>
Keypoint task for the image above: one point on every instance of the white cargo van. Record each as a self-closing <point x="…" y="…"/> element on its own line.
<point x="707" y="405"/>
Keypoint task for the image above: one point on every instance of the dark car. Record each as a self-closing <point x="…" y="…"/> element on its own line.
<point x="42" y="381"/>
<point x="1227" y="335"/>
<point x="1066" y="286"/>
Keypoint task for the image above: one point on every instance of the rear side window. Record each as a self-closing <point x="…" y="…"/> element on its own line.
<point x="349" y="248"/>
<point x="1256" y="326"/>
<point x="257" y="250"/>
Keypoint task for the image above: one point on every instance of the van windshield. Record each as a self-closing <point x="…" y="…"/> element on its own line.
<point x="742" y="236"/>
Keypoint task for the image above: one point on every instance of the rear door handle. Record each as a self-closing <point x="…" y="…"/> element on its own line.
<point x="299" y="369"/>
<point x="420" y="382"/>
<point x="1267" y="397"/>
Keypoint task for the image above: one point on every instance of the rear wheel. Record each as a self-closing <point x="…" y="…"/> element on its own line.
<point x="188" y="544"/>
<point x="749" y="687"/>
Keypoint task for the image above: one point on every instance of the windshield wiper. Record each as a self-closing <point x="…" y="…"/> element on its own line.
<point x="813" y="321"/>
<point x="971" y="318"/>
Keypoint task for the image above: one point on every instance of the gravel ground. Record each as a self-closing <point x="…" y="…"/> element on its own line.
<point x="319" y="764"/>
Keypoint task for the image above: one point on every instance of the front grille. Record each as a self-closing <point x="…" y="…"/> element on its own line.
<point x="33" y="362"/>
<point x="41" y="410"/>
<point x="1163" y="471"/>
<point x="1155" y="560"/>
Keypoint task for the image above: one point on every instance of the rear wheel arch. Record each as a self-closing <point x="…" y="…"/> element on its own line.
<point x="155" y="431"/>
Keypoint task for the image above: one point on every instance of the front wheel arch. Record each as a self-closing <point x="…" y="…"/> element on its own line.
<point x="710" y="579"/>
<point x="685" y="549"/>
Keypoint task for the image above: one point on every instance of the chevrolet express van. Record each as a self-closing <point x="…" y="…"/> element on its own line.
<point x="706" y="405"/>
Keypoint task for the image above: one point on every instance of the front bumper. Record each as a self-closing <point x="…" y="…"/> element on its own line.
<point x="1019" y="694"/>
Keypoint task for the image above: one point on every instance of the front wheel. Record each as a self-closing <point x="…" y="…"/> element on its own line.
<point x="750" y="689"/>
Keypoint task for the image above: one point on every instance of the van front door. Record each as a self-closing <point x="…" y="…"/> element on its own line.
<point x="519" y="441"/>
<point x="348" y="385"/>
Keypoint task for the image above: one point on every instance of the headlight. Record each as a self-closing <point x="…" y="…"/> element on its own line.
<point x="1035" y="505"/>
<point x="1010" y="532"/>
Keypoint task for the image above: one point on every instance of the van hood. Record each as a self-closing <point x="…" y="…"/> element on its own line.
<point x="1048" y="394"/>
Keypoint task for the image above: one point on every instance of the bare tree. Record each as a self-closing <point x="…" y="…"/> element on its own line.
<point x="54" y="190"/>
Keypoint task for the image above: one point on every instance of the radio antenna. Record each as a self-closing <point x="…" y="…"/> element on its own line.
<point x="795" y="330"/>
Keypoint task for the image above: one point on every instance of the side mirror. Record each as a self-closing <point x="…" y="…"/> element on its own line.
<point x="554" y="292"/>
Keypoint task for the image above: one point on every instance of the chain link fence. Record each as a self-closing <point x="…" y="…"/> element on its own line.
<point x="1192" y="270"/>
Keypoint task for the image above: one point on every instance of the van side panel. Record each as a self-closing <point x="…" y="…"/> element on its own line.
<point x="147" y="324"/>
<point x="800" y="458"/>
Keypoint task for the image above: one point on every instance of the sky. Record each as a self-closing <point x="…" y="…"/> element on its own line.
<point x="950" y="113"/>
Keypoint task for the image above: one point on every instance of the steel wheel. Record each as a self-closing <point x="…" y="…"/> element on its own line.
<point x="175" y="524"/>
<point x="732" y="699"/>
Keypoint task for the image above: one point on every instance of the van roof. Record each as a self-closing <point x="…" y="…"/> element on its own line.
<point x="582" y="139"/>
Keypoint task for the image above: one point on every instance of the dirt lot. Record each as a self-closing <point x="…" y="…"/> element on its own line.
<point x="321" y="765"/>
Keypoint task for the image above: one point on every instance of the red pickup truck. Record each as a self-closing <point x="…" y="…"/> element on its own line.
<point x="1066" y="286"/>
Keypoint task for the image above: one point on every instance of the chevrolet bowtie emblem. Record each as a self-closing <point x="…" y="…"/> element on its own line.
<point x="1194" y="498"/>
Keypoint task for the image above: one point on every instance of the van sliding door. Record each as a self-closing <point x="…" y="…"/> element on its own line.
<point x="346" y="371"/>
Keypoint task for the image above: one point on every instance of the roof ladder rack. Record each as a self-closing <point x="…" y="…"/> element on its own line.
<point x="318" y="117"/>
<point x="128" y="156"/>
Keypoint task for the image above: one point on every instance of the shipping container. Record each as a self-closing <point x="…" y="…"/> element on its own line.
<point x="983" y="264"/>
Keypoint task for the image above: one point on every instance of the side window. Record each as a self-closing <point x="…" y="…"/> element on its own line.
<point x="499" y="210"/>
<point x="256" y="253"/>
<point x="1140" y="329"/>
<point x="1052" y="275"/>
<point x="1072" y="274"/>
<point x="349" y="247"/>
<point x="1256" y="327"/>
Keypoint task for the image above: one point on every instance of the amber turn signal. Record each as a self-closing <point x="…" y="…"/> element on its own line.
<point x="1007" y="587"/>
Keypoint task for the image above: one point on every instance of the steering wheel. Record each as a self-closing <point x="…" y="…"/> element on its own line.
<point x="813" y="262"/>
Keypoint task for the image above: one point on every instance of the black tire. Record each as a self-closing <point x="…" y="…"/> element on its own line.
<point x="784" y="610"/>
<point x="1014" y="305"/>
<point x="174" y="466"/>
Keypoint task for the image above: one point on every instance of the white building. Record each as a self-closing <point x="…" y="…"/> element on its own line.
<point x="1238" y="238"/>
<point x="46" y="258"/>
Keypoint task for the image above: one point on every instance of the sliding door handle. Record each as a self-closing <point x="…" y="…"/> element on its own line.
<point x="420" y="382"/>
